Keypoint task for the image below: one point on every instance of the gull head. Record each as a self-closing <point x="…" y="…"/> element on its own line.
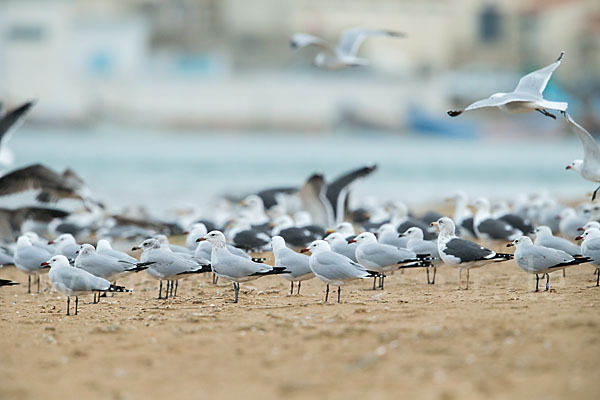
<point x="56" y="261"/>
<point x="591" y="233"/>
<point x="277" y="242"/>
<point x="413" y="233"/>
<point x="316" y="247"/>
<point x="591" y="224"/>
<point x="335" y="237"/>
<point x="216" y="238"/>
<point x="364" y="238"/>
<point x="32" y="236"/>
<point x="197" y="229"/>
<point x="86" y="249"/>
<point x="147" y="244"/>
<point x="386" y="228"/>
<point x="576" y="166"/>
<point x="445" y="226"/>
<point x="253" y="202"/>
<point x="542" y="231"/>
<point x="481" y="203"/>
<point x="521" y="241"/>
<point x="23" y="241"/>
<point x="64" y="239"/>
<point x="345" y="228"/>
<point x="103" y="244"/>
<point x="162" y="239"/>
<point x="458" y="197"/>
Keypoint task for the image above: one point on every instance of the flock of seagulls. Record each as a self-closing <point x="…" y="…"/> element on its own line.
<point x="347" y="241"/>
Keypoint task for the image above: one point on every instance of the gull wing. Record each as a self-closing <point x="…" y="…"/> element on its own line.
<point x="351" y="39"/>
<point x="535" y="82"/>
<point x="591" y="150"/>
<point x="300" y="40"/>
<point x="33" y="177"/>
<point x="12" y="120"/>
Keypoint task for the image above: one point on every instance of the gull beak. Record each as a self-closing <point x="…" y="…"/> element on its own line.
<point x="135" y="248"/>
<point x="304" y="250"/>
<point x="580" y="229"/>
<point x="186" y="232"/>
<point x="579" y="237"/>
<point x="51" y="242"/>
<point x="242" y="203"/>
<point x="402" y="234"/>
<point x="510" y="245"/>
<point x="44" y="264"/>
<point x="568" y="167"/>
<point x="433" y="224"/>
<point x="376" y="235"/>
<point x="329" y="231"/>
<point x="271" y="225"/>
<point x="77" y="252"/>
<point x="352" y="240"/>
<point x="200" y="239"/>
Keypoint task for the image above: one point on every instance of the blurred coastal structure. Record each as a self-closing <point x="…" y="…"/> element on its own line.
<point x="226" y="64"/>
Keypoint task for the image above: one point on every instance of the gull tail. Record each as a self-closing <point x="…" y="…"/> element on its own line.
<point x="201" y="270"/>
<point x="140" y="266"/>
<point x="371" y="273"/>
<point x="115" y="288"/>
<point x="274" y="271"/>
<point x="420" y="264"/>
<point x="6" y="282"/>
<point x="502" y="257"/>
<point x="259" y="260"/>
<point x="576" y="261"/>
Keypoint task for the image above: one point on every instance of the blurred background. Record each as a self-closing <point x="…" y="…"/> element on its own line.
<point x="168" y="103"/>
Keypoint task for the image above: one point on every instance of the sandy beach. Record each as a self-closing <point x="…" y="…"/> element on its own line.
<point x="498" y="339"/>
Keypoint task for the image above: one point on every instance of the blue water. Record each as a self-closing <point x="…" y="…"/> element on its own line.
<point x="168" y="170"/>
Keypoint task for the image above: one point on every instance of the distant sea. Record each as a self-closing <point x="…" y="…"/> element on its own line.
<point x="169" y="170"/>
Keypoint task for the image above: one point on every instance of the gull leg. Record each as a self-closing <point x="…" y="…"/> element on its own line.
<point x="537" y="282"/>
<point x="94" y="301"/>
<point x="114" y="284"/>
<point x="28" y="283"/>
<point x="547" y="281"/>
<point x="299" y="283"/>
<point x="468" y="279"/>
<point x="374" y="282"/>
<point x="38" y="282"/>
<point x="339" y="292"/>
<point x="595" y="193"/>
<point x="172" y="288"/>
<point x="167" y="291"/>
<point x="382" y="279"/>
<point x="68" y="304"/>
<point x="427" y="270"/>
<point x="236" y="288"/>
<point x="459" y="277"/>
<point x="598" y="277"/>
<point x="564" y="273"/>
<point x="292" y="289"/>
<point x="327" y="293"/>
<point x="546" y="113"/>
<point x="215" y="278"/>
<point x="160" y="290"/>
<point x="434" y="272"/>
<point x="76" y="303"/>
<point x="176" y="285"/>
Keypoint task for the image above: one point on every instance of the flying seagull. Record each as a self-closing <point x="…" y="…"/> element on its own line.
<point x="345" y="54"/>
<point x="8" y="124"/>
<point x="526" y="97"/>
<point x="589" y="167"/>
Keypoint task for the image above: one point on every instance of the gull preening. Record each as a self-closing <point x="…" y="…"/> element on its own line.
<point x="74" y="281"/>
<point x="526" y="97"/>
<point x="345" y="54"/>
<point x="589" y="167"/>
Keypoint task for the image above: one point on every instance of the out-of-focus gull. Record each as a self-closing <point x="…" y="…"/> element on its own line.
<point x="589" y="167"/>
<point x="6" y="257"/>
<point x="590" y="224"/>
<point x="488" y="228"/>
<point x="74" y="281"/>
<point x="52" y="186"/>
<point x="28" y="259"/>
<point x="544" y="237"/>
<point x="66" y="245"/>
<point x="590" y="247"/>
<point x="338" y="190"/>
<point x="196" y="230"/>
<point x="526" y="97"/>
<point x="296" y="263"/>
<point x="168" y="265"/>
<point x="418" y="245"/>
<point x="103" y="247"/>
<point x="570" y="222"/>
<point x="462" y="215"/>
<point x="234" y="268"/>
<point x="345" y="54"/>
<point x="8" y="124"/>
<point x="105" y="266"/>
<point x="402" y="220"/>
<point x="388" y="234"/>
<point x="462" y="253"/>
<point x="285" y="227"/>
<point x="334" y="268"/>
<point x="164" y="242"/>
<point x="12" y="221"/>
<point x="541" y="260"/>
<point x="382" y="257"/>
<point x="7" y="282"/>
<point x="339" y="244"/>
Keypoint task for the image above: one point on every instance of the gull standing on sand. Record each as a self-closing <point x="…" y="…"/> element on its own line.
<point x="526" y="97"/>
<point x="488" y="228"/>
<point x="296" y="263"/>
<point x="462" y="253"/>
<point x="388" y="234"/>
<point x="590" y="247"/>
<point x="544" y="237"/>
<point x="104" y="248"/>
<point x="345" y="54"/>
<point x="418" y="245"/>
<point x="339" y="244"/>
<point x="28" y="259"/>
<point x="589" y="167"/>
<point x="168" y="265"/>
<point x="541" y="260"/>
<point x="74" y="281"/>
<point x="234" y="268"/>
<point x="333" y="268"/>
<point x="382" y="257"/>
<point x="66" y="245"/>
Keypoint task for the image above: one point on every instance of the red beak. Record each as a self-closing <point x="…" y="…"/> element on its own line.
<point x="304" y="250"/>
<point x="44" y="264"/>
<point x="578" y="237"/>
<point x="568" y="167"/>
<point x="580" y="229"/>
<point x="353" y="240"/>
<point x="51" y="242"/>
<point x="186" y="233"/>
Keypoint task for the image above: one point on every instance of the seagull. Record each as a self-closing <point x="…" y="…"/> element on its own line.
<point x="418" y="245"/>
<point x="345" y="54"/>
<point x="296" y="263"/>
<point x="462" y="214"/>
<point x="333" y="268"/>
<point x="462" y="253"/>
<point x="104" y="248"/>
<point x="544" y="237"/>
<point x="382" y="257"/>
<point x="388" y="234"/>
<point x="52" y="186"/>
<point x="234" y="268"/>
<point x="488" y="228"/>
<point x="74" y="281"/>
<point x="8" y="124"/>
<point x="66" y="245"/>
<point x="28" y="259"/>
<point x="541" y="260"/>
<point x="12" y="221"/>
<point x="168" y="265"/>
<point x="526" y="97"/>
<point x="570" y="222"/>
<point x="339" y="244"/>
<point x="196" y="230"/>
<point x="589" y="167"/>
<point x="590" y="247"/>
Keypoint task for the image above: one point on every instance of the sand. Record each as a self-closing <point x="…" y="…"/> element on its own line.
<point x="496" y="340"/>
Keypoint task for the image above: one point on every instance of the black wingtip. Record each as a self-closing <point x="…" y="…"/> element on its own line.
<point x="454" y="113"/>
<point x="6" y="282"/>
<point x="562" y="55"/>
